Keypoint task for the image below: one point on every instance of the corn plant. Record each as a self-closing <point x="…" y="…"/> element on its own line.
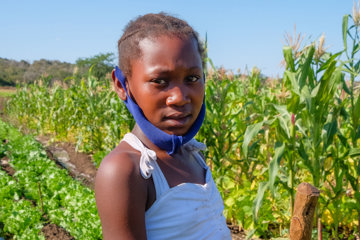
<point x="305" y="125"/>
<point x="352" y="67"/>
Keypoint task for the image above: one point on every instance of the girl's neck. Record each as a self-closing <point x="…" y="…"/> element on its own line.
<point x="146" y="141"/>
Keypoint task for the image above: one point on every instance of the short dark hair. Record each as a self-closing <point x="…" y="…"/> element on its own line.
<point x="149" y="26"/>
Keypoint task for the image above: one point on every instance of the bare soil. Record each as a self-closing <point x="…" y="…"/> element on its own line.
<point x="54" y="232"/>
<point x="79" y="165"/>
<point x="4" y="164"/>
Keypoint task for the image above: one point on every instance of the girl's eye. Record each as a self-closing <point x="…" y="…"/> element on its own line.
<point x="192" y="78"/>
<point x="159" y="81"/>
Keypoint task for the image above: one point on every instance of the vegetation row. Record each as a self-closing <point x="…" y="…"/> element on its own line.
<point x="40" y="193"/>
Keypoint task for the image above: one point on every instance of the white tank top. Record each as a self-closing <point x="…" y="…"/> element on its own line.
<point x="186" y="211"/>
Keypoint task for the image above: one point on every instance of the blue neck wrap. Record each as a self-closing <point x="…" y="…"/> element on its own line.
<point x="167" y="142"/>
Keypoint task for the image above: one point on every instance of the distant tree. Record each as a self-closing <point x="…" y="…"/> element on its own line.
<point x="12" y="71"/>
<point x="58" y="70"/>
<point x="102" y="64"/>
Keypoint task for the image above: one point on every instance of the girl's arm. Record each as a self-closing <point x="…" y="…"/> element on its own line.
<point x="121" y="195"/>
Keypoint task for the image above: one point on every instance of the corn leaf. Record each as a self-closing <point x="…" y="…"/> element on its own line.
<point x="345" y="87"/>
<point x="292" y="77"/>
<point x="288" y="55"/>
<point x="357" y="197"/>
<point x="329" y="81"/>
<point x="304" y="73"/>
<point x="275" y="164"/>
<point x="329" y="61"/>
<point x="354" y="152"/>
<point x="263" y="186"/>
<point x="250" y="133"/>
<point x="283" y="119"/>
<point x="356" y="67"/>
<point x="330" y="130"/>
<point x="344" y="30"/>
<point x="356" y="112"/>
<point x="303" y="154"/>
<point x="356" y="48"/>
<point x="284" y="126"/>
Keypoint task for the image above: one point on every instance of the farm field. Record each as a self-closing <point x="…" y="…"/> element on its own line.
<point x="264" y="137"/>
<point x="7" y="91"/>
<point x="79" y="167"/>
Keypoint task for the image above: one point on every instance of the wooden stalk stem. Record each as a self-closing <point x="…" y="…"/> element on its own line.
<point x="304" y="209"/>
<point x="319" y="228"/>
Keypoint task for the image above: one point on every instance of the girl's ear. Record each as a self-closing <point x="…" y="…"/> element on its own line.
<point x="118" y="87"/>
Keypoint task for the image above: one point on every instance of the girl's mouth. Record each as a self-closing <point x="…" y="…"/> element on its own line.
<point x="177" y="120"/>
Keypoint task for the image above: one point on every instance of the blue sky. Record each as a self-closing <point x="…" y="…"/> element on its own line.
<point x="241" y="34"/>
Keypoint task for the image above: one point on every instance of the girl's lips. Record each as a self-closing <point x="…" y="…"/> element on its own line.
<point x="177" y="120"/>
<point x="177" y="115"/>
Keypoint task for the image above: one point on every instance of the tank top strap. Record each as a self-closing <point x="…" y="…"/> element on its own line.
<point x="148" y="164"/>
<point x="195" y="147"/>
<point x="160" y="182"/>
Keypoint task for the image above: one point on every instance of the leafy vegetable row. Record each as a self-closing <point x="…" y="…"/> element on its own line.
<point x="56" y="195"/>
<point x="18" y="217"/>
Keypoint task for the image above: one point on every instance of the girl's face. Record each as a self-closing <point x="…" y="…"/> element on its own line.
<point x="167" y="83"/>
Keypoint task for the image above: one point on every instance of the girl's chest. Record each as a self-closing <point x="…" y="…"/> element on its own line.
<point x="177" y="171"/>
<point x="182" y="169"/>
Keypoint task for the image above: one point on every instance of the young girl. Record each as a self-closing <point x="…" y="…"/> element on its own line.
<point x="155" y="183"/>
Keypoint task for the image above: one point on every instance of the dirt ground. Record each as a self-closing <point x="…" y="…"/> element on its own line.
<point x="80" y="166"/>
<point x="54" y="232"/>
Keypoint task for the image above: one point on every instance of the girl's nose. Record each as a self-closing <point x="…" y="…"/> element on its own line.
<point x="178" y="96"/>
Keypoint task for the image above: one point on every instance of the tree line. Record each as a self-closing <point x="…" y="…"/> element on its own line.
<point x="14" y="72"/>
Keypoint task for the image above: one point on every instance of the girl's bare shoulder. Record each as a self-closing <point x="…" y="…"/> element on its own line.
<point x="123" y="161"/>
<point x="119" y="187"/>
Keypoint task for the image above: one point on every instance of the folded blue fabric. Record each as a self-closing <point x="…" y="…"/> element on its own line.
<point x="167" y="142"/>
